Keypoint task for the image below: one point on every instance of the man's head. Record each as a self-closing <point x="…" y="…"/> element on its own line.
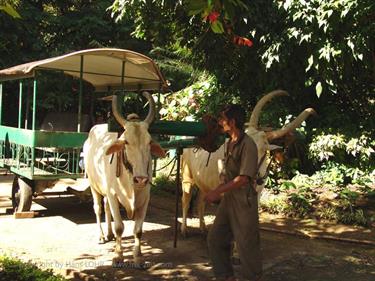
<point x="232" y="115"/>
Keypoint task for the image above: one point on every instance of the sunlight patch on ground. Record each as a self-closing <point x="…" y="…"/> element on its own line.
<point x="194" y="222"/>
<point x="128" y="227"/>
<point x="339" y="229"/>
<point x="354" y="260"/>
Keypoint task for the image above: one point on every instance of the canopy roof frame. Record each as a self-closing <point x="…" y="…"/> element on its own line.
<point x="102" y="69"/>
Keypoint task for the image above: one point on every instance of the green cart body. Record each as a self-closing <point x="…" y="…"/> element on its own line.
<point x="35" y="155"/>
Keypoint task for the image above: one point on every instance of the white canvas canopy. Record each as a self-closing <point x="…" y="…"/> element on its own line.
<point x="102" y="68"/>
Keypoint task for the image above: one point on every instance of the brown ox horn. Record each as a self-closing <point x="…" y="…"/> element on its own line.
<point x="291" y="126"/>
<point x="116" y="113"/>
<point x="151" y="112"/>
<point x="254" y="118"/>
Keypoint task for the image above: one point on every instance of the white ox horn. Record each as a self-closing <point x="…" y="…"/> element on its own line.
<point x="291" y="126"/>
<point x="254" y="118"/>
<point x="151" y="112"/>
<point x="116" y="113"/>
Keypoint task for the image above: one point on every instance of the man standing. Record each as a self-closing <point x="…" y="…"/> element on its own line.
<point x="237" y="215"/>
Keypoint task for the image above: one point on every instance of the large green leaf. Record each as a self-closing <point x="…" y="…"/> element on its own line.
<point x="10" y="11"/>
<point x="196" y="7"/>
<point x="217" y="27"/>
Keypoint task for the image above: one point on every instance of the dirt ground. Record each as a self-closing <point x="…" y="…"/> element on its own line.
<point x="63" y="237"/>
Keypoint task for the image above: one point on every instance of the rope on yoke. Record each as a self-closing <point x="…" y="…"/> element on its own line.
<point x="173" y="159"/>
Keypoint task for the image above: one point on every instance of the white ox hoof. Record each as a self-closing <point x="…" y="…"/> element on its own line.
<point x="137" y="257"/>
<point x="138" y="263"/>
<point x="203" y="229"/>
<point x="110" y="237"/>
<point x="102" y="240"/>
<point x="184" y="231"/>
<point x="118" y="261"/>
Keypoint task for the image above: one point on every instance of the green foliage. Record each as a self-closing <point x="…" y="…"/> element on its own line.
<point x="309" y="48"/>
<point x="344" y="209"/>
<point x="276" y="205"/>
<point x="154" y="20"/>
<point x="13" y="269"/>
<point x="49" y="28"/>
<point x="356" y="217"/>
<point x="163" y="183"/>
<point x="335" y="193"/>
<point x="8" y="8"/>
<point x="174" y="63"/>
<point x="193" y="102"/>
<point x="355" y="152"/>
<point x="325" y="29"/>
<point x="300" y="197"/>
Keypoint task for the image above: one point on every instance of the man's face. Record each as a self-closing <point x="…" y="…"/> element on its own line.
<point x="225" y="123"/>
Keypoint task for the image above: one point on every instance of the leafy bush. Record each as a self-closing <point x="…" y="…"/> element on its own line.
<point x="335" y="193"/>
<point x="16" y="270"/>
<point x="194" y="101"/>
<point x="355" y="152"/>
<point x="163" y="183"/>
<point x="292" y="200"/>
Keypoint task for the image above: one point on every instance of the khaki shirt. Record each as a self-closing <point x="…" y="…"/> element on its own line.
<point x="241" y="159"/>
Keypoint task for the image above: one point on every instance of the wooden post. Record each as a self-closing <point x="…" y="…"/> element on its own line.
<point x="178" y="183"/>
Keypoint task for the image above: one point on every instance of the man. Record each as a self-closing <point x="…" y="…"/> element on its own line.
<point x="237" y="215"/>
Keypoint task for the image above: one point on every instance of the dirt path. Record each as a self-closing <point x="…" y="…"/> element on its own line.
<point x="64" y="238"/>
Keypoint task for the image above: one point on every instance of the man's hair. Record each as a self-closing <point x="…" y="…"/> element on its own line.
<point x="236" y="112"/>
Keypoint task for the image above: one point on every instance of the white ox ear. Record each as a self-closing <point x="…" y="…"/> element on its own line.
<point x="157" y="150"/>
<point x="117" y="146"/>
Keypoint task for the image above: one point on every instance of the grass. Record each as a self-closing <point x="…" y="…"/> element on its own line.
<point x="16" y="270"/>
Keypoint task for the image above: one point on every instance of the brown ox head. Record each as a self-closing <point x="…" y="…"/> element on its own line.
<point x="264" y="138"/>
<point x="135" y="146"/>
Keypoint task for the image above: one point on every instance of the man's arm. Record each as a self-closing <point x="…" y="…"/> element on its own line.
<point x="214" y="195"/>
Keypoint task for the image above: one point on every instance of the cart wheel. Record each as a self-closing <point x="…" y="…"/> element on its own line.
<point x="21" y="195"/>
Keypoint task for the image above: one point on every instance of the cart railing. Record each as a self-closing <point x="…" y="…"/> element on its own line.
<point x="36" y="154"/>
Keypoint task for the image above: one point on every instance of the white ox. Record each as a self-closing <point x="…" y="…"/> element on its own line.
<point x="202" y="169"/>
<point x="120" y="170"/>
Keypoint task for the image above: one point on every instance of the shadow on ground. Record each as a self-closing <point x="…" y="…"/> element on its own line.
<point x="286" y="257"/>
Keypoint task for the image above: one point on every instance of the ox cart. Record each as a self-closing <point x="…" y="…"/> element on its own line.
<point x="38" y="153"/>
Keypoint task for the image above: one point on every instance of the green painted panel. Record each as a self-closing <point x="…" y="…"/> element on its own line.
<point x="59" y="139"/>
<point x="178" y="128"/>
<point x="193" y="142"/>
<point x="42" y="138"/>
<point x="174" y="128"/>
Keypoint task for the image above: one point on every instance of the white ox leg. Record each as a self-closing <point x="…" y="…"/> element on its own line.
<point x="108" y="219"/>
<point x="119" y="227"/>
<point x="97" y="200"/>
<point x="201" y="210"/>
<point x="139" y="217"/>
<point x="186" y="198"/>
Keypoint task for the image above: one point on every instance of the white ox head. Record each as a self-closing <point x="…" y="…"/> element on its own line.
<point x="135" y="145"/>
<point x="264" y="138"/>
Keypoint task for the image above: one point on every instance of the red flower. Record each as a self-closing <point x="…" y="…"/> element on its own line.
<point x="247" y="42"/>
<point x="242" y="41"/>
<point x="212" y="17"/>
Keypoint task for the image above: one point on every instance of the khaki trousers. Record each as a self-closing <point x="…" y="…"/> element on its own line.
<point x="236" y="219"/>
